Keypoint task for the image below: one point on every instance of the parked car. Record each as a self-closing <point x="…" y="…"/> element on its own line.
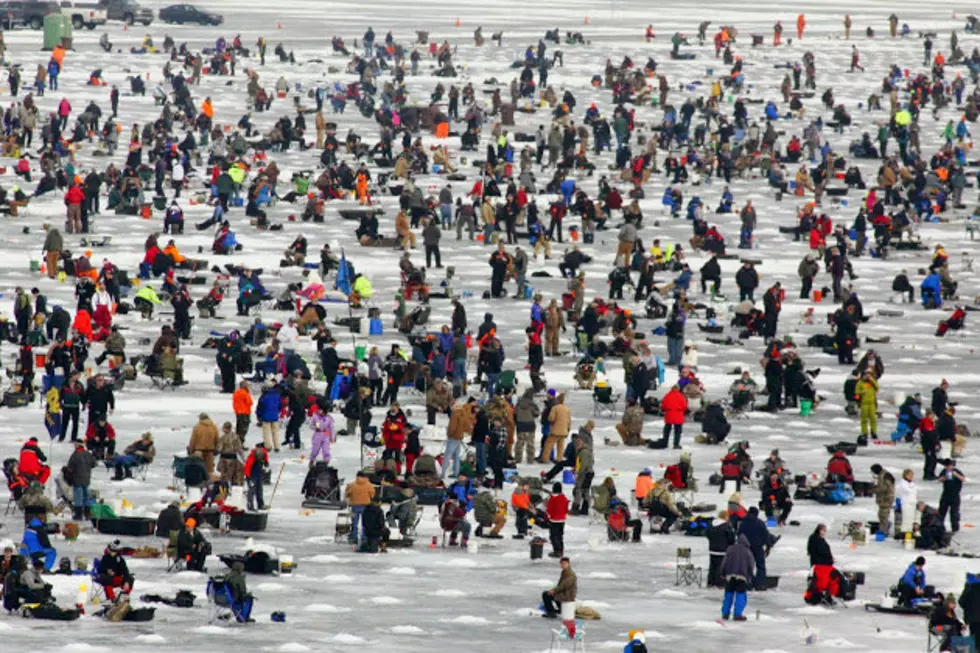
<point x="26" y="13"/>
<point x="84" y="15"/>
<point x="127" y="11"/>
<point x="181" y="14"/>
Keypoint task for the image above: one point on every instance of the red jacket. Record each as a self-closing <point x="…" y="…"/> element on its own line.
<point x="674" y="405"/>
<point x="261" y="459"/>
<point x="75" y="195"/>
<point x="30" y="460"/>
<point x="109" y="432"/>
<point x="816" y="238"/>
<point x="151" y="255"/>
<point x="840" y="466"/>
<point x="393" y="433"/>
<point x="557" y="508"/>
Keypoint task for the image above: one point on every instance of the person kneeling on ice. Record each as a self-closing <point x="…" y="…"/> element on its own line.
<point x="738" y="569"/>
<point x="452" y="519"/>
<point x="912" y="585"/>
<point x="113" y="572"/>
<point x="376" y="533"/>
<point x="659" y="503"/>
<point x="564" y="592"/>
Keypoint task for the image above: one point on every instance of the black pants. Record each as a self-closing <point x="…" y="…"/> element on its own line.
<point x="806" y="288"/>
<point x="69" y="415"/>
<point x="784" y="511"/>
<point x="556" y="533"/>
<point x="715" y="579"/>
<point x="724" y="484"/>
<point x="292" y="428"/>
<point x="430" y="251"/>
<point x="227" y="377"/>
<point x="242" y="422"/>
<point x="551" y="606"/>
<point x="391" y="393"/>
<point x="377" y="389"/>
<point x="522" y="517"/>
<point x="951" y="505"/>
<point x="678" y="429"/>
<point x="928" y="471"/>
<point x="660" y="510"/>
<point x="255" y="500"/>
<point x="715" y="285"/>
<point x="430" y="414"/>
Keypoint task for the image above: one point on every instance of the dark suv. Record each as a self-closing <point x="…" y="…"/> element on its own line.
<point x="26" y="13"/>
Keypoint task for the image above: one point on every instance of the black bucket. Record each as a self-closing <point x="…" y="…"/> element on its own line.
<point x="537" y="548"/>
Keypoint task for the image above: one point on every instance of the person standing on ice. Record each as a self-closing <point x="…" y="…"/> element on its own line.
<point x="855" y="60"/>
<point x="738" y="570"/>
<point x="777" y="33"/>
<point x="800" y="26"/>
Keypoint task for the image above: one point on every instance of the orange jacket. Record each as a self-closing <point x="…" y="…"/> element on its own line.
<point x="800" y="22"/>
<point x="521" y="500"/>
<point x="207" y="109"/>
<point x="174" y="253"/>
<point x="241" y="402"/>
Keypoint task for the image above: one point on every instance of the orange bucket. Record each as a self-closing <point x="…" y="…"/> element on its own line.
<point x="817" y="296"/>
<point x="442" y="130"/>
<point x="40" y="360"/>
<point x="573" y="234"/>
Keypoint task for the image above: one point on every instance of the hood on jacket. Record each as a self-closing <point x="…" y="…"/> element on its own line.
<point x="743" y="540"/>
<point x="488" y="317"/>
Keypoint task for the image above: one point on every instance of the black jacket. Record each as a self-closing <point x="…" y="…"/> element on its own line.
<point x="374" y="521"/>
<point x="168" y="520"/>
<point x="720" y="537"/>
<point x="819" y="551"/>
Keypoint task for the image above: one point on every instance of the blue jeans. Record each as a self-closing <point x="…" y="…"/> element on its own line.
<point x="675" y="349"/>
<point x="450" y="460"/>
<point x="80" y="496"/>
<point x="734" y="592"/>
<point x="355" y="524"/>
<point x="447" y="215"/>
<point x="481" y="457"/>
<point x="745" y="238"/>
<point x="492" y="378"/>
<point x="459" y="369"/>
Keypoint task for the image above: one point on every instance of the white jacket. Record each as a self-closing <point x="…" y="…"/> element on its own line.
<point x="907" y="493"/>
<point x="102" y="298"/>
<point x="288" y="337"/>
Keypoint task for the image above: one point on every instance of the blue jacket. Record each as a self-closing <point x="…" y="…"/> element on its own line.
<point x="463" y="492"/>
<point x="915" y="578"/>
<point x="932" y="285"/>
<point x="754" y="529"/>
<point x="270" y="402"/>
<point x="683" y="280"/>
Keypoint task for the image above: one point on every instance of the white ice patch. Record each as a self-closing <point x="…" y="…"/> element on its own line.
<point x="407" y="630"/>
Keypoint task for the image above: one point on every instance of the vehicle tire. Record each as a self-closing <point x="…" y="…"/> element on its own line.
<point x="146" y="23"/>
<point x="76" y="22"/>
<point x="90" y="26"/>
<point x="128" y="19"/>
<point x="35" y="22"/>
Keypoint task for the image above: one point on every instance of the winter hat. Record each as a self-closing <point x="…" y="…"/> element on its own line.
<point x="551" y="393"/>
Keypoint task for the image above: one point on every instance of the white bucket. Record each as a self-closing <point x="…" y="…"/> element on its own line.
<point x="568" y="611"/>
<point x="472" y="547"/>
<point x="594" y="543"/>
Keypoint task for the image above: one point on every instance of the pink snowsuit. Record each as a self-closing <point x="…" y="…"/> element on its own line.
<point x="323" y="436"/>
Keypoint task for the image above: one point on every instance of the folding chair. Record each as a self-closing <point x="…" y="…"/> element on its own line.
<point x="604" y="402"/>
<point x="96" y="593"/>
<point x="221" y="604"/>
<point x="174" y="563"/>
<point x="560" y="635"/>
<point x="597" y="510"/>
<point x="687" y="572"/>
<point x="342" y="527"/>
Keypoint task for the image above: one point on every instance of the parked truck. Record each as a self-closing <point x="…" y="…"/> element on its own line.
<point x="84" y="15"/>
<point x="128" y="11"/>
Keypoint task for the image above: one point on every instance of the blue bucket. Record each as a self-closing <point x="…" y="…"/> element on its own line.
<point x="510" y="476"/>
<point x="568" y="477"/>
<point x="528" y="292"/>
<point x="376" y="327"/>
<point x="772" y="523"/>
<point x="881" y="536"/>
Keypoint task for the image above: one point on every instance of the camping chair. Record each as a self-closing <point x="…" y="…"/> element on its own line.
<point x="507" y="382"/>
<point x="598" y="510"/>
<point x="560" y="635"/>
<point x="221" y="603"/>
<point x="189" y="471"/>
<point x="342" y="527"/>
<point x="687" y="573"/>
<point x="153" y="370"/>
<point x="174" y="563"/>
<point x="96" y="592"/>
<point x="604" y="402"/>
<point x="938" y="638"/>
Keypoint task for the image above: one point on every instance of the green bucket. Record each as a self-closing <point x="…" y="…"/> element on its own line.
<point x="360" y="352"/>
<point x="805" y="407"/>
<point x="35" y="265"/>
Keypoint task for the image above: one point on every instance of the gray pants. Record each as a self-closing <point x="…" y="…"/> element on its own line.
<point x="470" y="227"/>
<point x="525" y="445"/>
